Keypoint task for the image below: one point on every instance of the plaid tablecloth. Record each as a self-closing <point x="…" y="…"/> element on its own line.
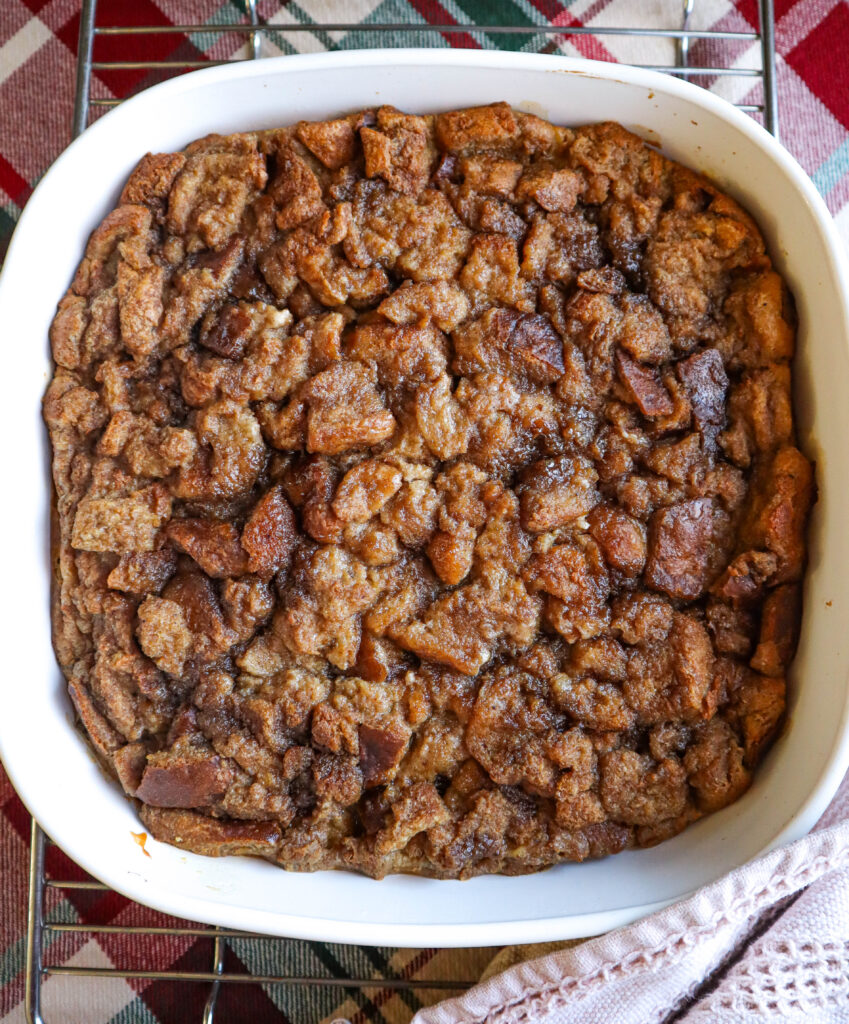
<point x="38" y="40"/>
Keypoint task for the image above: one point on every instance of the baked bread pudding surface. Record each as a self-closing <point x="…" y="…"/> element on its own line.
<point x="426" y="493"/>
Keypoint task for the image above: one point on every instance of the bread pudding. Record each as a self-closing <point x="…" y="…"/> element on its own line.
<point x="427" y="496"/>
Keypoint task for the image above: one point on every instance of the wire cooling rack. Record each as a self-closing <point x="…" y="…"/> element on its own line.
<point x="550" y="37"/>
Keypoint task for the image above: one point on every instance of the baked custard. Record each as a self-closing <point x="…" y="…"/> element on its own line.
<point x="426" y="493"/>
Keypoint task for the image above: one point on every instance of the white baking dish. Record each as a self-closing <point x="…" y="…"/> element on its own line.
<point x="48" y="761"/>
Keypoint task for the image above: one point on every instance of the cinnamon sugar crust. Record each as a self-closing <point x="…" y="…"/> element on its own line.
<point x="427" y="495"/>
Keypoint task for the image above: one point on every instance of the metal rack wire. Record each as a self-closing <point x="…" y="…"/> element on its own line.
<point x="39" y="929"/>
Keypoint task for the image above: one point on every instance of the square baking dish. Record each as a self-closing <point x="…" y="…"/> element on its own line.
<point x="49" y="763"/>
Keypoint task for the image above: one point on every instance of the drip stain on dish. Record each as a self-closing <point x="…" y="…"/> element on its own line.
<point x="140" y="838"/>
<point x="649" y="135"/>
